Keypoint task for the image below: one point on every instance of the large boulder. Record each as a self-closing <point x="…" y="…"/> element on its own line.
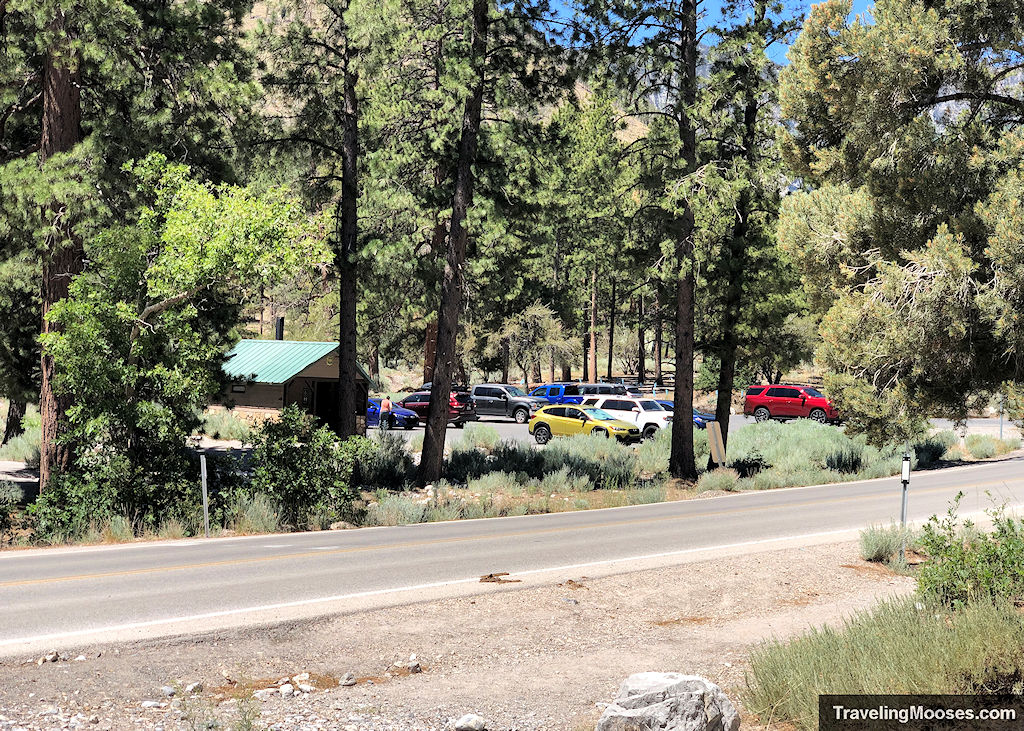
<point x="669" y="702"/>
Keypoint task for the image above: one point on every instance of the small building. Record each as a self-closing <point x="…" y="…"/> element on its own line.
<point x="267" y="375"/>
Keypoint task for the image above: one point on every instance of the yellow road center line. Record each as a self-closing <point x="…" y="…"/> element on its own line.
<point x="463" y="539"/>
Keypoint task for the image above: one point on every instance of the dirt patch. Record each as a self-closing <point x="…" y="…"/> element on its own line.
<point x="573" y="584"/>
<point x="528" y="657"/>
<point x="681" y="620"/>
<point x="870" y="568"/>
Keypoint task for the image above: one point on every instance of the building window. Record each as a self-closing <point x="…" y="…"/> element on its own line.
<point x="238" y="388"/>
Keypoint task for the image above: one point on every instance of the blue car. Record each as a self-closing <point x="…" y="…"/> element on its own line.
<point x="700" y="419"/>
<point x="400" y="417"/>
<point x="559" y="393"/>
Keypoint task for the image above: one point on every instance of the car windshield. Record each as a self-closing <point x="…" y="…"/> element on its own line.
<point x="516" y="391"/>
<point x="651" y="406"/>
<point x="599" y="414"/>
<point x="814" y="392"/>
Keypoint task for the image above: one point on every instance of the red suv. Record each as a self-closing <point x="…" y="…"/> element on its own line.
<point x="460" y="406"/>
<point x="787" y="401"/>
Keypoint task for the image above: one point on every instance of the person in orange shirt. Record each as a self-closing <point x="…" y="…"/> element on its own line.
<point x="385" y="413"/>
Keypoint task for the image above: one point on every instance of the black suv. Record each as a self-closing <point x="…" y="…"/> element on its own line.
<point x="501" y="399"/>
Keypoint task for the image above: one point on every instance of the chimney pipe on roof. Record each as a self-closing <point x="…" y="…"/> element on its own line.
<point x="279" y="328"/>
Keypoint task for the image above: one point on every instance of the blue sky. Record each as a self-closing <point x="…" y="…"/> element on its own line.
<point x="712" y="10"/>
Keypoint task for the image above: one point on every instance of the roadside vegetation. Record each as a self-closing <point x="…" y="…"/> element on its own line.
<point x="296" y="475"/>
<point x="962" y="633"/>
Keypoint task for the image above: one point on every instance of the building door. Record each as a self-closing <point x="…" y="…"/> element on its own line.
<point x="325" y="403"/>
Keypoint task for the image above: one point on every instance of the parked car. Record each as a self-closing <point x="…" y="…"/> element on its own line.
<point x="589" y="389"/>
<point x="558" y="393"/>
<point x="502" y="399"/>
<point x="454" y="387"/>
<point x="460" y="406"/>
<point x="566" y="421"/>
<point x="700" y="419"/>
<point x="647" y="414"/>
<point x="400" y="417"/>
<point x="788" y="401"/>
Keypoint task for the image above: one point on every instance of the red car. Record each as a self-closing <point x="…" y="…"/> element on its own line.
<point x="788" y="401"/>
<point x="460" y="406"/>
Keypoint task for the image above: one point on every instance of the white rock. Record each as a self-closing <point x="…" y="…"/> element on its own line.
<point x="669" y="702"/>
<point x="348" y="679"/>
<point x="306" y="688"/>
<point x="287" y="689"/>
<point x="150" y="704"/>
<point x="168" y="690"/>
<point x="194" y="688"/>
<point x="300" y="678"/>
<point x="471" y="722"/>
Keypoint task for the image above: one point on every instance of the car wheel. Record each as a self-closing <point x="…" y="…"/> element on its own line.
<point x="761" y="414"/>
<point x="818" y="415"/>
<point x="521" y="416"/>
<point x="542" y="434"/>
<point x="409" y="425"/>
<point x="649" y="432"/>
<point x="600" y="433"/>
<point x="460" y="425"/>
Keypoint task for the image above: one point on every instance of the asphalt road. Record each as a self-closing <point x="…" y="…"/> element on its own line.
<point x="71" y="597"/>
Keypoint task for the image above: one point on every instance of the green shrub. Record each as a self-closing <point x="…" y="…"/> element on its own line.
<point x="481" y="436"/>
<point x="894" y="647"/>
<point x="981" y="446"/>
<point x="749" y="464"/>
<point x="606" y="463"/>
<point x="395" y="510"/>
<point x="954" y="453"/>
<point x="10" y="496"/>
<point x="466" y="463"/>
<point x="965" y="564"/>
<point x="514" y="456"/>
<point x="416" y="443"/>
<point x="652" y="455"/>
<point x="847" y="459"/>
<point x="882" y="544"/>
<point x="1007" y="445"/>
<point x="305" y="470"/>
<point x="564" y="481"/>
<point x="502" y="482"/>
<point x="645" y="495"/>
<point x="223" y="424"/>
<point x="721" y="479"/>
<point x="387" y="464"/>
<point x="24" y="447"/>
<point x="253" y="514"/>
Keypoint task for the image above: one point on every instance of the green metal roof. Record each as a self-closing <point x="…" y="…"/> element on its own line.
<point x="276" y="361"/>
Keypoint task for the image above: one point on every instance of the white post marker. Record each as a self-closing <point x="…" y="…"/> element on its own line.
<point x="206" y="498"/>
<point x="905" y="478"/>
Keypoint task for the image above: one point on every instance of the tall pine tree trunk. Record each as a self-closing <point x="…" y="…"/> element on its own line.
<point x="429" y="351"/>
<point x="611" y="332"/>
<point x="452" y="284"/>
<point x="552" y="371"/>
<point x="63" y="257"/>
<point x="592" y="345"/>
<point x="345" y="254"/>
<point x="15" y="413"/>
<point x="504" y="360"/>
<point x="682" y="464"/>
<point x="641" y="355"/>
<point x="659" y="378"/>
<point x="737" y="251"/>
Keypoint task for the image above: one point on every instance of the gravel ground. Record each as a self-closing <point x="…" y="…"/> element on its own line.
<point x="537" y="658"/>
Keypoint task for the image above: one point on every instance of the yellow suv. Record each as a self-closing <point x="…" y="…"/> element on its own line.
<point x="566" y="421"/>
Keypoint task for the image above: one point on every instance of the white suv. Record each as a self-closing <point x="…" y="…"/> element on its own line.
<point x="646" y="413"/>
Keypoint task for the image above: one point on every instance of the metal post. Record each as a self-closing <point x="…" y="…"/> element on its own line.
<point x="906" y="485"/>
<point x="206" y="497"/>
<point x="1002" y="408"/>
